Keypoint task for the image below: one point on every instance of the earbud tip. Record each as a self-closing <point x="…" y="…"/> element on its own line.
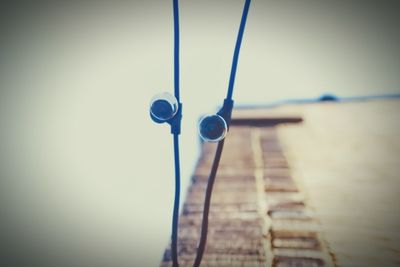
<point x="212" y="128"/>
<point x="163" y="107"/>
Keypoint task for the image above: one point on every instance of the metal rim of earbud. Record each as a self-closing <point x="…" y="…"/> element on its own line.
<point x="212" y="128"/>
<point x="223" y="118"/>
<point x="170" y="111"/>
<point x="163" y="107"/>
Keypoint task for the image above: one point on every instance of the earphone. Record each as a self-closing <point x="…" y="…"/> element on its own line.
<point x="166" y="108"/>
<point x="163" y="107"/>
<point x="214" y="127"/>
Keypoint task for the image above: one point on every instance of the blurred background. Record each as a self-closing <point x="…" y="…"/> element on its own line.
<point x="86" y="178"/>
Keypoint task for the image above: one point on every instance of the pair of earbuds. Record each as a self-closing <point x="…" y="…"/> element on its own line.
<point x="165" y="108"/>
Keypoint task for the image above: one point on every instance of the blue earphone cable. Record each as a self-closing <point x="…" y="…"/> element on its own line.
<point x="175" y="129"/>
<point x="237" y="49"/>
<point x="207" y="202"/>
<point x="175" y="216"/>
<point x="220" y="146"/>
<point x="176" y="49"/>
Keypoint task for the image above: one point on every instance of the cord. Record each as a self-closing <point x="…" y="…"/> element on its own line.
<point x="176" y="131"/>
<point x="237" y="49"/>
<point x="207" y="202"/>
<point x="176" y="48"/>
<point x="227" y="103"/>
<point x="175" y="217"/>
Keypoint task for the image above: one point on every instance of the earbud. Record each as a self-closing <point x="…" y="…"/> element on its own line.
<point x="212" y="128"/>
<point x="163" y="107"/>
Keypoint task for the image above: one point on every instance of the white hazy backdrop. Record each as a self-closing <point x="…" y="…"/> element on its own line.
<point x="86" y="176"/>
